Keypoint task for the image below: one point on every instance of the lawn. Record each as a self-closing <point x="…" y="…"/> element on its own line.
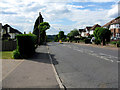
<point x="6" y="55"/>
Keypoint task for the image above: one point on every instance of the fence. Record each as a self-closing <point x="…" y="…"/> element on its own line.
<point x="8" y="45"/>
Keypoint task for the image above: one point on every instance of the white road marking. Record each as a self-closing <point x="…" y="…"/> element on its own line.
<point x="90" y="52"/>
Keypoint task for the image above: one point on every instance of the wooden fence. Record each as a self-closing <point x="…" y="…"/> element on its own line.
<point x="9" y="45"/>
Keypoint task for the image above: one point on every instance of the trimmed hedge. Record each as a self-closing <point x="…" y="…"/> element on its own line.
<point x="26" y="45"/>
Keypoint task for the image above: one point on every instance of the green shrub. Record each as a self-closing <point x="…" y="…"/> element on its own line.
<point x="82" y="38"/>
<point x="87" y="40"/>
<point x="97" y="42"/>
<point x="26" y="44"/>
<point x="113" y="42"/>
<point x="118" y="42"/>
<point x="16" y="54"/>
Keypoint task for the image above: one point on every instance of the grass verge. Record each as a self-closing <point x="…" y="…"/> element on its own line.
<point x="6" y="55"/>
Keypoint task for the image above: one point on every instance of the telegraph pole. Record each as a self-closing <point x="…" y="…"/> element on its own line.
<point x="39" y="30"/>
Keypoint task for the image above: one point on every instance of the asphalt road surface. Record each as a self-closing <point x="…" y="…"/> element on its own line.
<point x="81" y="66"/>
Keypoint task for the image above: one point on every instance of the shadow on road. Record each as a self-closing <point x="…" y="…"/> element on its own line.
<point x="43" y="58"/>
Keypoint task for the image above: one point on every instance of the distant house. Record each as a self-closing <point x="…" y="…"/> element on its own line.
<point x="87" y="29"/>
<point x="114" y="26"/>
<point x="7" y="32"/>
<point x="80" y="31"/>
<point x="93" y="28"/>
<point x="83" y="33"/>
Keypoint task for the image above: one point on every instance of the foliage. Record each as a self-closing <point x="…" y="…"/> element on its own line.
<point x="16" y="54"/>
<point x="87" y="40"/>
<point x="56" y="38"/>
<point x="102" y="35"/>
<point x="42" y="27"/>
<point x="90" y="36"/>
<point x="61" y="35"/>
<point x="97" y="42"/>
<point x="6" y="55"/>
<point x="113" y="42"/>
<point x="72" y="34"/>
<point x="82" y="38"/>
<point x="26" y="45"/>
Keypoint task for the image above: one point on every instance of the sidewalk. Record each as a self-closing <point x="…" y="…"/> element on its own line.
<point x="98" y="46"/>
<point x="36" y="72"/>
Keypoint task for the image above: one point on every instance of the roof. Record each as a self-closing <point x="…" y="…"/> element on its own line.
<point x="88" y="28"/>
<point x="96" y="25"/>
<point x="12" y="30"/>
<point x="114" y="21"/>
<point x="81" y="30"/>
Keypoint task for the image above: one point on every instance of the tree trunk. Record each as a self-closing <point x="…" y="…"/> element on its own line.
<point x="103" y="42"/>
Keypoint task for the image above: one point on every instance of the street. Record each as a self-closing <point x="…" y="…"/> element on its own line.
<point x="81" y="66"/>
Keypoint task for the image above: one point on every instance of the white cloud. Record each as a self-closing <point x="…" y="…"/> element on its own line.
<point x="52" y="11"/>
<point x="113" y="13"/>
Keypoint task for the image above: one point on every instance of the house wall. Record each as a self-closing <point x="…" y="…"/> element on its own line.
<point x="83" y="34"/>
<point x="115" y="32"/>
<point x="91" y="32"/>
<point x="12" y="35"/>
<point x="114" y="26"/>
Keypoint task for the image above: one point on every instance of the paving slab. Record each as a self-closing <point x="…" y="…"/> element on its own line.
<point x="36" y="72"/>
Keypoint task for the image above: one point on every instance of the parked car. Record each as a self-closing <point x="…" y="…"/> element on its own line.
<point x="115" y="38"/>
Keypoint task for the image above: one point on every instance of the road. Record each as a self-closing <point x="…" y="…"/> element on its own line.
<point x="84" y="66"/>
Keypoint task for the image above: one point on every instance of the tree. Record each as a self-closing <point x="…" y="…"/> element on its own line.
<point x="102" y="35"/>
<point x="56" y="38"/>
<point x="72" y="34"/>
<point x="61" y="35"/>
<point x="42" y="27"/>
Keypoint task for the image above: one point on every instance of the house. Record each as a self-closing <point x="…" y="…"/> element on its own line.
<point x="87" y="31"/>
<point x="81" y="32"/>
<point x="114" y="26"/>
<point x="7" y="32"/>
<point x="93" y="28"/>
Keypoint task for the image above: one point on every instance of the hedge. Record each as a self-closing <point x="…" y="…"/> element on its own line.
<point x="26" y="45"/>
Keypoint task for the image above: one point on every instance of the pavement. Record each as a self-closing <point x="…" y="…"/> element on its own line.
<point x="84" y="66"/>
<point x="107" y="46"/>
<point x="33" y="73"/>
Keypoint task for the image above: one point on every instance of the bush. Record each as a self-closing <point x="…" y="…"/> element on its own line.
<point x="97" y="42"/>
<point x="113" y="42"/>
<point x="82" y="38"/>
<point x="26" y="44"/>
<point x="16" y="54"/>
<point x="87" y="40"/>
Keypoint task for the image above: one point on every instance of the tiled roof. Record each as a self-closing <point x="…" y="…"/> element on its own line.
<point x="116" y="20"/>
<point x="96" y="25"/>
<point x="12" y="30"/>
<point x="88" y="28"/>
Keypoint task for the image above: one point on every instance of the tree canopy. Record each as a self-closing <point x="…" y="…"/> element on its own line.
<point x="72" y="34"/>
<point x="42" y="27"/>
<point x="102" y="34"/>
<point x="61" y="35"/>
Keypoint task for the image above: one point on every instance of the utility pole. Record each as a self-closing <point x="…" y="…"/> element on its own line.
<point x="39" y="30"/>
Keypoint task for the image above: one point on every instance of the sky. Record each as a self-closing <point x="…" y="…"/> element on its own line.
<point x="64" y="15"/>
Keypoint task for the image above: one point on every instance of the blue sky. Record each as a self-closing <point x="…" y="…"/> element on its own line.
<point x="61" y="14"/>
